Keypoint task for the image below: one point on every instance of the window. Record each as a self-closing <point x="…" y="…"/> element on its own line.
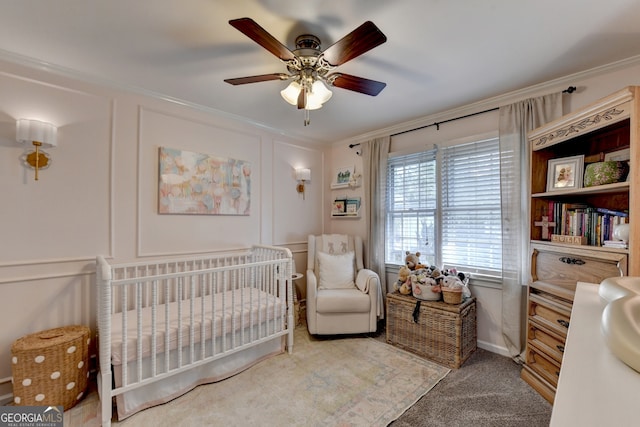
<point x="454" y="221"/>
<point x="411" y="207"/>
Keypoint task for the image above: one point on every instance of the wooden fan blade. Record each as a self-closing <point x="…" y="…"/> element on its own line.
<point x="356" y="84"/>
<point x="255" y="32"/>
<point x="362" y="39"/>
<point x="256" y="79"/>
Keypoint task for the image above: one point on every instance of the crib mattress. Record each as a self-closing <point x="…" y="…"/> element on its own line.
<point x="231" y="311"/>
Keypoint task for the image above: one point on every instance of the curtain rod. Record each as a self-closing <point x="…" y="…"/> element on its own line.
<point x="570" y="89"/>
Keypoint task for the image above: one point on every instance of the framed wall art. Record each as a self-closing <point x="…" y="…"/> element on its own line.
<point x="343" y="175"/>
<point x="565" y="173"/>
<point x="201" y="184"/>
<point x="338" y="207"/>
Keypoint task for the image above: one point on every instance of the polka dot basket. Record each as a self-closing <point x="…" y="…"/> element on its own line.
<point x="51" y="367"/>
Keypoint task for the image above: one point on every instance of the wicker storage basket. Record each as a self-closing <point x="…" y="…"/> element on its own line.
<point x="451" y="297"/>
<point x="51" y="367"/>
<point x="444" y="333"/>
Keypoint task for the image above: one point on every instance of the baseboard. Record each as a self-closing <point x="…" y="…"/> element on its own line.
<point x="502" y="351"/>
<point x="6" y="399"/>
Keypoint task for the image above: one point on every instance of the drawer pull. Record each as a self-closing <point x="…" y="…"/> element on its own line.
<point x="557" y="373"/>
<point x="563" y="323"/>
<point x="575" y="261"/>
<point x="561" y="348"/>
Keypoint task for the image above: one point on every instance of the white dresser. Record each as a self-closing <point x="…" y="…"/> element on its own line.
<point x="595" y="388"/>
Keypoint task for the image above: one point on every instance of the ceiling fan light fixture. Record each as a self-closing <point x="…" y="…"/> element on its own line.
<point x="308" y="65"/>
<point x="319" y="94"/>
<point x="291" y="92"/>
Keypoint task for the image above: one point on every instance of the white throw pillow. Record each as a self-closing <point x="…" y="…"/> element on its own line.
<point x="336" y="271"/>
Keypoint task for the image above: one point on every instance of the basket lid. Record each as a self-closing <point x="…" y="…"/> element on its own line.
<point x="49" y="338"/>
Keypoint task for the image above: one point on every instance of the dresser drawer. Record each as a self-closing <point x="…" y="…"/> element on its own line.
<point x="546" y="340"/>
<point x="542" y="364"/>
<point x="568" y="265"/>
<point x="551" y="313"/>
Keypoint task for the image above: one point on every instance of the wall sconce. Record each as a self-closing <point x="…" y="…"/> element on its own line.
<point x="39" y="134"/>
<point x="302" y="175"/>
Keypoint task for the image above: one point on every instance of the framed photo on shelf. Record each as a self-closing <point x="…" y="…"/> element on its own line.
<point x="343" y="175"/>
<point x="338" y="207"/>
<point x="352" y="206"/>
<point x="565" y="173"/>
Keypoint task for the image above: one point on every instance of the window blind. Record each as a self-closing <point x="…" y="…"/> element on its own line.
<point x="411" y="201"/>
<point x="470" y="207"/>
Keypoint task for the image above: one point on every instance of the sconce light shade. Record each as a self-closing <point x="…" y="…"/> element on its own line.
<point x="39" y="134"/>
<point x="30" y="131"/>
<point x="302" y="175"/>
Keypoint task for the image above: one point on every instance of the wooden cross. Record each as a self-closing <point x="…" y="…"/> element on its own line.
<point x="545" y="224"/>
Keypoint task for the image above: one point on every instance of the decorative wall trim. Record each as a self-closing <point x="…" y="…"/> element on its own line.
<point x="91" y="79"/>
<point x="110" y="195"/>
<point x="495" y="101"/>
<point x="112" y="178"/>
<point x="33" y="278"/>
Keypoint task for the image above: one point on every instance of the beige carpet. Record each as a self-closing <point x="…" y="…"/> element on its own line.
<point x="325" y="382"/>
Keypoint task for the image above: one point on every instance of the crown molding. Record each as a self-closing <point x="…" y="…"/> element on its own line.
<point x="493" y="102"/>
<point x="70" y="73"/>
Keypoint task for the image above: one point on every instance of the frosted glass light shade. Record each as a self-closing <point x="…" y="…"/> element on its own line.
<point x="303" y="174"/>
<point x="28" y="131"/>
<point x="290" y="93"/>
<point x="319" y="94"/>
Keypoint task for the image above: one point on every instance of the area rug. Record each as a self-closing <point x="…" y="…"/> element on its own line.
<point x="354" y="381"/>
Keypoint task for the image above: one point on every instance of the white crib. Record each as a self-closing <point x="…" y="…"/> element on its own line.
<point x="165" y="327"/>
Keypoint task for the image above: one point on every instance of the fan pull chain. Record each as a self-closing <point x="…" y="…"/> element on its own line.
<point x="307" y="119"/>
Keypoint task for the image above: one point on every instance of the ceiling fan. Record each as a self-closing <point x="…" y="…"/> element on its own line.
<point x="310" y="68"/>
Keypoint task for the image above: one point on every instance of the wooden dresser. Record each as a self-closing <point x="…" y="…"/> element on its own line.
<point x="555" y="272"/>
<point x="606" y="128"/>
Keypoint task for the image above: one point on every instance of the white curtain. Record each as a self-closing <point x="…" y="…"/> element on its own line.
<point x="516" y="120"/>
<point x="374" y="177"/>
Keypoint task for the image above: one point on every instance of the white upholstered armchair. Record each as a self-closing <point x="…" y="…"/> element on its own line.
<point x="343" y="297"/>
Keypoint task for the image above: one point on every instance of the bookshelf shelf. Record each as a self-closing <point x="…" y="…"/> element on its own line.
<point x="616" y="187"/>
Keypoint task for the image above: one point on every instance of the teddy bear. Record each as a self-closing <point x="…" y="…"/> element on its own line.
<point x="403" y="273"/>
<point x="403" y="284"/>
<point x="412" y="261"/>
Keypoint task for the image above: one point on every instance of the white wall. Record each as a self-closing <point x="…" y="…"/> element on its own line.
<point x="99" y="196"/>
<point x="591" y="84"/>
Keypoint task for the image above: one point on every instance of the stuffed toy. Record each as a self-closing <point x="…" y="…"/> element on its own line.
<point x="424" y="287"/>
<point x="412" y="261"/>
<point x="403" y="284"/>
<point x="403" y="274"/>
<point x="405" y="288"/>
<point x="452" y="282"/>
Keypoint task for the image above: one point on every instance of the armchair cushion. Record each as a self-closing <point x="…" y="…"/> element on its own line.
<point x="342" y="301"/>
<point x="336" y="271"/>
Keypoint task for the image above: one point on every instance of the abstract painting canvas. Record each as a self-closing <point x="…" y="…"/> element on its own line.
<point x="200" y="184"/>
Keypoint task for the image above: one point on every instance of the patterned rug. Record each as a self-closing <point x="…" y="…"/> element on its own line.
<point x="325" y="382"/>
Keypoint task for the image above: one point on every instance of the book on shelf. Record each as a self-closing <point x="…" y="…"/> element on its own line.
<point x="623" y="214"/>
<point x="594" y="224"/>
<point x="616" y="244"/>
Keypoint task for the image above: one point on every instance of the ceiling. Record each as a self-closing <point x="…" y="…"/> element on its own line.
<point x="439" y="54"/>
